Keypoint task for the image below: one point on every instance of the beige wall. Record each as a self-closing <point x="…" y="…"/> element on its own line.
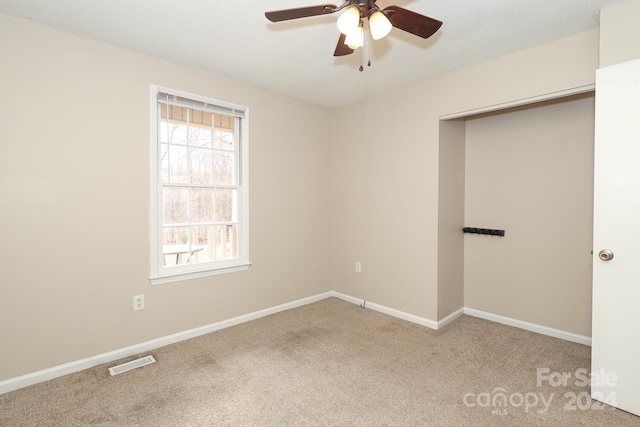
<point x="530" y="171"/>
<point x="74" y="195"/>
<point x="619" y="33"/>
<point x="451" y="190"/>
<point x="384" y="210"/>
<point x="386" y="177"/>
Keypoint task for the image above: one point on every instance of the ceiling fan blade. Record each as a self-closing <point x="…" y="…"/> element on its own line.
<point x="301" y="12"/>
<point x="412" y="22"/>
<point x="342" y="49"/>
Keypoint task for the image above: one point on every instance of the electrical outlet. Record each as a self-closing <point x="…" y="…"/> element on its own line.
<point x="138" y="302"/>
<point x="358" y="267"/>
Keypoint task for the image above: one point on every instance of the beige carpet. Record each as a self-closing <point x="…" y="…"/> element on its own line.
<point x="329" y="363"/>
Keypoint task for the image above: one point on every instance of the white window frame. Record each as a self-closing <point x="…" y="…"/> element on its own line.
<point x="159" y="273"/>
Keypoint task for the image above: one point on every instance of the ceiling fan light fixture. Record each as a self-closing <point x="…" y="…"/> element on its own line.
<point x="355" y="39"/>
<point x="379" y="25"/>
<point x="349" y="20"/>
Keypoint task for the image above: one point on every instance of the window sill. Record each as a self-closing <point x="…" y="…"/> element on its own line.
<point x="181" y="276"/>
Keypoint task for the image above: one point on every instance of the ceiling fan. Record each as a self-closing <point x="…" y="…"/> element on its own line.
<point x="359" y="15"/>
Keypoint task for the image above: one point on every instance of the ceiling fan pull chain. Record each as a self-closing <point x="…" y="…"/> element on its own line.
<point x="364" y="42"/>
<point x="368" y="49"/>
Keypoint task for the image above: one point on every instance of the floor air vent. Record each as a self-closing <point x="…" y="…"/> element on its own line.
<point x="131" y="365"/>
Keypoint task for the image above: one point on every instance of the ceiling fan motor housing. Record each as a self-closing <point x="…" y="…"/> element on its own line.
<point x="366" y="6"/>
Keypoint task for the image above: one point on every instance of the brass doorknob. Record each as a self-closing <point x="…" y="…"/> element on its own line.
<point x="605" y="255"/>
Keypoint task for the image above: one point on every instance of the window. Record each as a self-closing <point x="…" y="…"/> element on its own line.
<point x="199" y="186"/>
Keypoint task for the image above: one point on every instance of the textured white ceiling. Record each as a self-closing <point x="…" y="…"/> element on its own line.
<point x="233" y="38"/>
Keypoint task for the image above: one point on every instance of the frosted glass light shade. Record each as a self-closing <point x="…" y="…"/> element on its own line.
<point x="379" y="25"/>
<point x="355" y="39"/>
<point x="349" y="20"/>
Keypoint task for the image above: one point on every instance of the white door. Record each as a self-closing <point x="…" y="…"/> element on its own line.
<point x="615" y="353"/>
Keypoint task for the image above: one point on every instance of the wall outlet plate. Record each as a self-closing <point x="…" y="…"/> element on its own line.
<point x="138" y="302"/>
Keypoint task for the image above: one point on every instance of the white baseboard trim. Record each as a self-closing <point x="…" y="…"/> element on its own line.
<point x="544" y="330"/>
<point x="347" y="298"/>
<point x="532" y="327"/>
<point x="80" y="365"/>
<point x="399" y="314"/>
<point x="450" y="318"/>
